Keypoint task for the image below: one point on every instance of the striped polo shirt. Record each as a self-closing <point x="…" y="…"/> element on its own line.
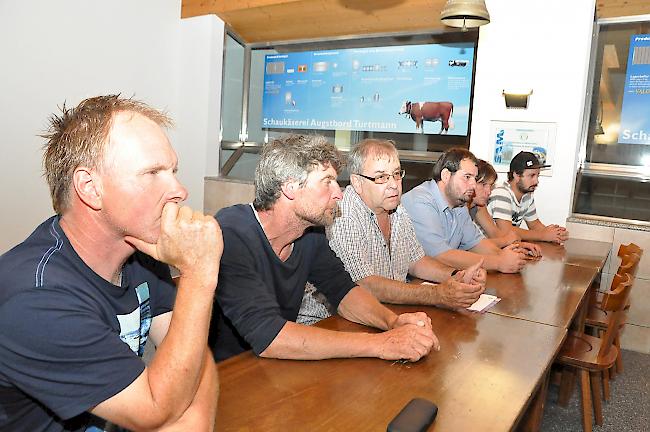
<point x="504" y="205"/>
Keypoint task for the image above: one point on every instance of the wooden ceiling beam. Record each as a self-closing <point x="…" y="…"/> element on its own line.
<point x="620" y="8"/>
<point x="283" y="20"/>
<point x="190" y="8"/>
<point x="279" y="20"/>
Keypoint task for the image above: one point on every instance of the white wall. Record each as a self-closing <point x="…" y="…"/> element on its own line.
<point x="543" y="45"/>
<point x="66" y="51"/>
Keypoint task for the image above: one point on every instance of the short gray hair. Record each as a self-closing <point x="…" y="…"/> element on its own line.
<point x="369" y="146"/>
<point x="291" y="158"/>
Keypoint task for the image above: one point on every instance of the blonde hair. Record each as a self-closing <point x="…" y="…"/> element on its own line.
<point x="78" y="136"/>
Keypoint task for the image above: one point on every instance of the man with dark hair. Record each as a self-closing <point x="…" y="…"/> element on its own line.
<point x="272" y="251"/>
<point x="82" y="294"/>
<point x="442" y="223"/>
<point x="477" y="207"/>
<point x="375" y="239"/>
<point x="513" y="202"/>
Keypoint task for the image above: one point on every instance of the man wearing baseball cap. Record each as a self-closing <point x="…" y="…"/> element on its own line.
<point x="513" y="202"/>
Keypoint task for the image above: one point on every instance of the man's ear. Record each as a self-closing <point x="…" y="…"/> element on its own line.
<point x="88" y="187"/>
<point x="445" y="175"/>
<point x="355" y="181"/>
<point x="289" y="189"/>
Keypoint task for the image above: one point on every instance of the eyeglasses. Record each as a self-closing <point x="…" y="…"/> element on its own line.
<point x="383" y="178"/>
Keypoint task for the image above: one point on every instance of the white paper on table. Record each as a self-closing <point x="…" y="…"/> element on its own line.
<point x="484" y="302"/>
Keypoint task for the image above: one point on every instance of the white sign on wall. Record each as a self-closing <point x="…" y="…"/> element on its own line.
<point x="507" y="138"/>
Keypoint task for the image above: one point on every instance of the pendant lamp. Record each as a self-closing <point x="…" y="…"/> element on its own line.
<point x="465" y="14"/>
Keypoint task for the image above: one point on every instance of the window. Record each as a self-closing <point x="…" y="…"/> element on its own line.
<point x="243" y="132"/>
<point x="614" y="177"/>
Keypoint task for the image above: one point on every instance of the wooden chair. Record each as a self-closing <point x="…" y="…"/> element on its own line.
<point x="623" y="250"/>
<point x="597" y="318"/>
<point x="628" y="265"/>
<point x="591" y="355"/>
<point x="629" y="249"/>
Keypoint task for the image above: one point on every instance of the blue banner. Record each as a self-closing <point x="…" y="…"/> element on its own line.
<point x="635" y="112"/>
<point x="413" y="88"/>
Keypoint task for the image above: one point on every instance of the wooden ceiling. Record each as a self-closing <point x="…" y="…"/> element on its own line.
<point x="257" y="21"/>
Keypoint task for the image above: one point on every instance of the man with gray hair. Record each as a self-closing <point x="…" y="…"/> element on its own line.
<point x="271" y="250"/>
<point x="375" y="239"/>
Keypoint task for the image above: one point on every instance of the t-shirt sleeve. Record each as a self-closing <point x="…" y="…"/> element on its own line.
<point x="64" y="355"/>
<point x="427" y="225"/>
<point x="500" y="205"/>
<point x="531" y="213"/>
<point x="244" y="298"/>
<point x="327" y="272"/>
<point x="347" y="240"/>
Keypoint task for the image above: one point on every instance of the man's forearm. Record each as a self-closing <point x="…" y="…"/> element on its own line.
<point x="530" y="234"/>
<point x="431" y="269"/>
<point x="535" y="233"/>
<point x="202" y="412"/>
<point x="174" y="373"/>
<point x="362" y="307"/>
<point x="396" y="292"/>
<point x="501" y="241"/>
<point x="301" y="342"/>
<point x="463" y="259"/>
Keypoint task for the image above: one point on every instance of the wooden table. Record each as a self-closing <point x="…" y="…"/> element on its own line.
<point x="482" y="379"/>
<point x="547" y="291"/>
<point x="490" y="369"/>
<point x="585" y="253"/>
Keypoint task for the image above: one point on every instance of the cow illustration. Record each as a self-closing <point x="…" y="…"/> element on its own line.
<point x="429" y="111"/>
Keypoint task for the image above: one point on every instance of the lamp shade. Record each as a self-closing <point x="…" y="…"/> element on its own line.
<point x="465" y="13"/>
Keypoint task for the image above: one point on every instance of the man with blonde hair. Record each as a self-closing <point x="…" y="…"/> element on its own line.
<point x="82" y="294"/>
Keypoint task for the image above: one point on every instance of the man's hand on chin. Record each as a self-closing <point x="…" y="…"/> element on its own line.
<point x="189" y="240"/>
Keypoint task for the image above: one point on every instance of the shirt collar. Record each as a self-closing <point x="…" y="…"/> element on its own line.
<point x="437" y="196"/>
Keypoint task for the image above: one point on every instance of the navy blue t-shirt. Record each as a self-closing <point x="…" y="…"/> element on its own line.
<point x="68" y="338"/>
<point x="257" y="292"/>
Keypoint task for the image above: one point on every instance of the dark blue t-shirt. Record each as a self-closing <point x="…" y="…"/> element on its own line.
<point x="257" y="292"/>
<point x="68" y="338"/>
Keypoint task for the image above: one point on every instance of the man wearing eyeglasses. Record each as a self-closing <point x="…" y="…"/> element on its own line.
<point x="375" y="239"/>
<point x="443" y="224"/>
<point x="272" y="248"/>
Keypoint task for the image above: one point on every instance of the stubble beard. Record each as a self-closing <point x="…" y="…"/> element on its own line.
<point x="458" y="198"/>
<point x="325" y="218"/>
<point x="523" y="190"/>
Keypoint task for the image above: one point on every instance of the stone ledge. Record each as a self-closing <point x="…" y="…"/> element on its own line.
<point x="611" y="223"/>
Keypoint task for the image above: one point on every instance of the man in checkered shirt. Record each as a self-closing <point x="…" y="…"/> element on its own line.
<point x="374" y="238"/>
<point x="513" y="202"/>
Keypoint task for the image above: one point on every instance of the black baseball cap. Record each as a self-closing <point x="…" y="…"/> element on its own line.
<point x="525" y="160"/>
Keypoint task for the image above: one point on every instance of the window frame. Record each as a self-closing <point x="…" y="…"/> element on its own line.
<point x="244" y="146"/>
<point x="635" y="173"/>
